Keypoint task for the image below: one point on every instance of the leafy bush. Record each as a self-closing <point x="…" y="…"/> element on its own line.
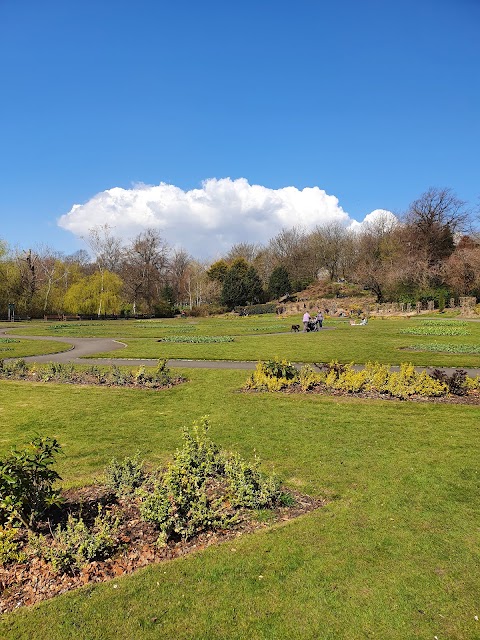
<point x="68" y="373"/>
<point x="125" y="476"/>
<point x="200" y="488"/>
<point x="26" y="482"/>
<point x="268" y="376"/>
<point x="457" y="383"/>
<point x="249" y="487"/>
<point x="75" y="545"/>
<point x="9" y="547"/>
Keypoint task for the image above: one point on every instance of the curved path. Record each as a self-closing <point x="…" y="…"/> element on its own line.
<point x="82" y="347"/>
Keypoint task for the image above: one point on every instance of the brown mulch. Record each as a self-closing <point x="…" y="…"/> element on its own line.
<point x="472" y="398"/>
<point x="30" y="582"/>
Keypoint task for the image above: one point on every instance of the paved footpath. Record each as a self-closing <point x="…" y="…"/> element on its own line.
<point x="84" y="347"/>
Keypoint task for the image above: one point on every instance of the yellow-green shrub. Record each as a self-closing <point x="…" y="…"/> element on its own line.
<point x="263" y="380"/>
<point x="308" y="378"/>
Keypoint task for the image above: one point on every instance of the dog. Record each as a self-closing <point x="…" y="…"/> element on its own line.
<point x="295" y="327"/>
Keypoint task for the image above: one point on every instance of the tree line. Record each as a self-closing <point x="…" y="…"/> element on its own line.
<point x="432" y="251"/>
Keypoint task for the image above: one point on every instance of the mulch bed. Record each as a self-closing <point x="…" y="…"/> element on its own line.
<point x="27" y="583"/>
<point x="472" y="398"/>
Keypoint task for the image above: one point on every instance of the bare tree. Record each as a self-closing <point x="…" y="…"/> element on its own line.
<point x="144" y="268"/>
<point x="107" y="250"/>
<point x="431" y="223"/>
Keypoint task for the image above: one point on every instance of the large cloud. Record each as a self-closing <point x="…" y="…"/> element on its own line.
<point x="205" y="221"/>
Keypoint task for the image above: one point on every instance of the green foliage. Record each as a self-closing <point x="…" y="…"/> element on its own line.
<point x="443" y="323"/>
<point x="218" y="271"/>
<point x="201" y="487"/>
<point x="435" y="331"/>
<point x="373" y="377"/>
<point x="10" y="548"/>
<point x="279" y="282"/>
<point x="26" y="482"/>
<point x="241" y="285"/>
<point x="273" y="375"/>
<point x="68" y="373"/>
<point x="440" y="347"/>
<point x="75" y="545"/>
<point x="249" y="487"/>
<point x="125" y="476"/>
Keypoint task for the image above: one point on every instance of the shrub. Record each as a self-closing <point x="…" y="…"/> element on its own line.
<point x="125" y="476"/>
<point x="26" y="482"/>
<point x="9" y="547"/>
<point x="202" y="487"/>
<point x="249" y="487"/>
<point x="308" y="378"/>
<point x="76" y="545"/>
<point x="268" y="376"/>
<point x="457" y="383"/>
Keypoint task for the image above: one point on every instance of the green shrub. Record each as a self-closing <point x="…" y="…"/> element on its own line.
<point x="249" y="487"/>
<point x="26" y="482"/>
<point x="10" y="548"/>
<point x="268" y="376"/>
<point x="76" y="545"/>
<point x="125" y="476"/>
<point x="201" y="488"/>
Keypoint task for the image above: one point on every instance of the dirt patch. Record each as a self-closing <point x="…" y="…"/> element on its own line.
<point x="30" y="582"/>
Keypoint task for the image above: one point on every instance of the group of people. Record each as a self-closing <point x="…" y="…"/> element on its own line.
<point x="312" y="324"/>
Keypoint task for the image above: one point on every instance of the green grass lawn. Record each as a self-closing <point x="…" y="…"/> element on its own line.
<point x="23" y="348"/>
<point x="266" y="337"/>
<point x="395" y="554"/>
<point x="378" y="341"/>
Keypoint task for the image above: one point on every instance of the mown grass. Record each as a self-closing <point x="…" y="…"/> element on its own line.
<point x="378" y="341"/>
<point x="395" y="554"/>
<point x="25" y="348"/>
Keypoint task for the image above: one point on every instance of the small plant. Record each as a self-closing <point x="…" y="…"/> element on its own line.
<point x="457" y="383"/>
<point x="202" y="488"/>
<point x="76" y="545"/>
<point x="26" y="482"/>
<point x="125" y="476"/>
<point x="10" y="550"/>
<point x="272" y="375"/>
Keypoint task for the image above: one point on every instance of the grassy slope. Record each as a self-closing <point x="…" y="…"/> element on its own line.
<point x="393" y="555"/>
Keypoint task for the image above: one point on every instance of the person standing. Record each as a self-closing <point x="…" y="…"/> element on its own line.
<point x="319" y="320"/>
<point x="306" y="320"/>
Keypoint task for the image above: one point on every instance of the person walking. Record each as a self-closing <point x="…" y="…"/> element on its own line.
<point x="306" y="320"/>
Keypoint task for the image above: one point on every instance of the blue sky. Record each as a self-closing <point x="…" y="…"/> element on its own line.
<point x="370" y="101"/>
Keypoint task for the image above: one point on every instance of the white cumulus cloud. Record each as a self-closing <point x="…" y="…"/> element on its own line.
<point x="206" y="221"/>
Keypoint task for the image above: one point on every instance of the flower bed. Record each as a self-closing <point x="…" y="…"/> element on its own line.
<point x="112" y="376"/>
<point x="373" y="379"/>
<point x="137" y="517"/>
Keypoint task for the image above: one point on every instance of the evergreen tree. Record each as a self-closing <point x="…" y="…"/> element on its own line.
<point x="279" y="283"/>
